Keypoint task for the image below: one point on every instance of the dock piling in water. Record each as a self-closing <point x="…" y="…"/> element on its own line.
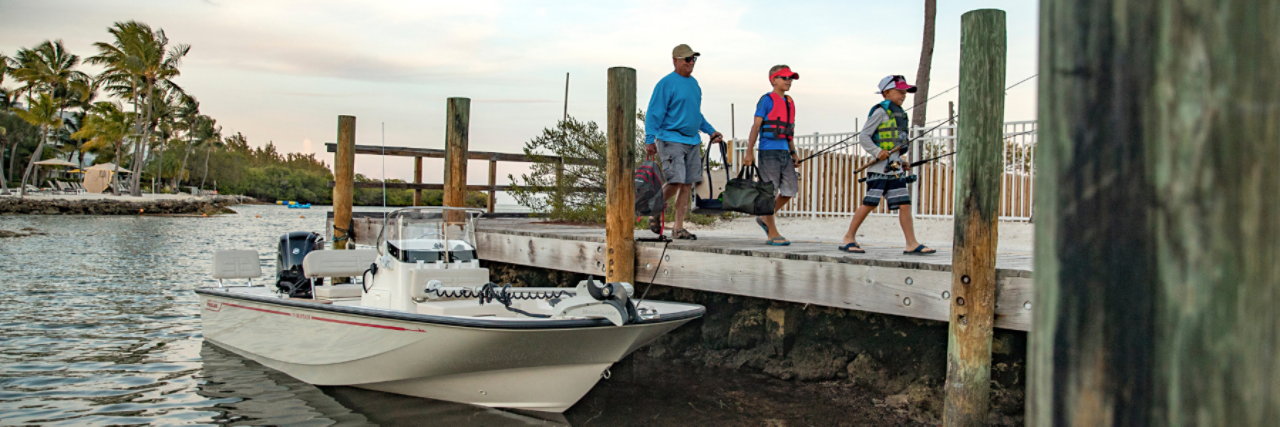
<point x="344" y="170"/>
<point x="979" y="165"/>
<point x="620" y="212"/>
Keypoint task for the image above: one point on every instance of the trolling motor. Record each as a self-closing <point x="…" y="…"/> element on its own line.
<point x="294" y="247"/>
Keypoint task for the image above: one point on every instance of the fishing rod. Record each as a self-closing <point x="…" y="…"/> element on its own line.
<point x="900" y="147"/>
<point x="921" y="162"/>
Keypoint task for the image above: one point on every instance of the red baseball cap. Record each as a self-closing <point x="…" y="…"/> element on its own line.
<point x="895" y="82"/>
<point x="784" y="72"/>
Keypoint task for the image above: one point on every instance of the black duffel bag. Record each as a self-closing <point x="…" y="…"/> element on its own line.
<point x="748" y="194"/>
<point x="713" y="206"/>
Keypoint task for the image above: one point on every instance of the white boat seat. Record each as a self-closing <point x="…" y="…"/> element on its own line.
<point x="236" y="264"/>
<point x="338" y="262"/>
<point x="338" y="291"/>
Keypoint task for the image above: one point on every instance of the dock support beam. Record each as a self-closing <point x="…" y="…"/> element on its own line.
<point x="344" y="173"/>
<point x="620" y="169"/>
<point x="1156" y="215"/>
<point x="417" y="179"/>
<point x="979" y="165"/>
<point x="493" y="186"/>
<point x="457" y="121"/>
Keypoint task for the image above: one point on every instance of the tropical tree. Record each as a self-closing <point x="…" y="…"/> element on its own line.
<point x="926" y="65"/>
<point x="106" y="126"/>
<point x="42" y="112"/>
<point x="49" y="69"/>
<point x="4" y="186"/>
<point x="189" y="118"/>
<point x="214" y="141"/>
<point x="138" y="62"/>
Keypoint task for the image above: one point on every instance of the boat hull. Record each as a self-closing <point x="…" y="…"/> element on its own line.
<point x="524" y="364"/>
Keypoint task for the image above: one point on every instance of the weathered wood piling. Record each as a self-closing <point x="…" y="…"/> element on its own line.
<point x="1157" y="231"/>
<point x="979" y="165"/>
<point x="457" y="122"/>
<point x="620" y="216"/>
<point x="344" y="170"/>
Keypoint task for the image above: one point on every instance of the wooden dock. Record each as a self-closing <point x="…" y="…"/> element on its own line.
<point x="884" y="280"/>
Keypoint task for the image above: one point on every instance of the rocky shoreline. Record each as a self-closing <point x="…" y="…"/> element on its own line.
<point x="193" y="206"/>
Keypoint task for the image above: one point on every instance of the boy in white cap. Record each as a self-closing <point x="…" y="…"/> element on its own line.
<point x="885" y="136"/>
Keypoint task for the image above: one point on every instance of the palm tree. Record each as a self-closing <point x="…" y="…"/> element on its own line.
<point x="41" y="112"/>
<point x="139" y="61"/>
<point x="107" y="125"/>
<point x="4" y="186"/>
<point x="213" y="139"/>
<point x="189" y="114"/>
<point x="926" y="65"/>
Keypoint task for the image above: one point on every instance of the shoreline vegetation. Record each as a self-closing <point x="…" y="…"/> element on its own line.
<point x="136" y="115"/>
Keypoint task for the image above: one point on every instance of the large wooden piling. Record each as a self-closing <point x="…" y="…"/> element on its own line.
<point x="344" y="171"/>
<point x="979" y="165"/>
<point x="492" y="200"/>
<point x="457" y="120"/>
<point x="1157" y="236"/>
<point x="620" y="216"/>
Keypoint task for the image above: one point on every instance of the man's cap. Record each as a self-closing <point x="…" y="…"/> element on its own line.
<point x="784" y="72"/>
<point x="683" y="51"/>
<point x="895" y="82"/>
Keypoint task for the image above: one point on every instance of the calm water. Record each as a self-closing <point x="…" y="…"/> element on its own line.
<point x="99" y="326"/>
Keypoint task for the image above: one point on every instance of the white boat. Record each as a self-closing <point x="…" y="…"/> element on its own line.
<point x="426" y="321"/>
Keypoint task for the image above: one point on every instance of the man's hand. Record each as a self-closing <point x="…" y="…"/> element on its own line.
<point x="651" y="149"/>
<point x="717" y="136"/>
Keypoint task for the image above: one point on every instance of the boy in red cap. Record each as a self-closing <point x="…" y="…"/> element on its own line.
<point x="775" y="125"/>
<point x="885" y="136"/>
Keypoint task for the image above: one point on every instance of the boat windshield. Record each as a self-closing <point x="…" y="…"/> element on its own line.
<point x="430" y="234"/>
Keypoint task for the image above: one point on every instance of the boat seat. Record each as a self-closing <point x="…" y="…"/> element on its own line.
<point x="338" y="262"/>
<point x="338" y="291"/>
<point x="236" y="264"/>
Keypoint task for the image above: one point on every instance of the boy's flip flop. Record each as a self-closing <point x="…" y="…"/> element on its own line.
<point x="920" y="250"/>
<point x="852" y="248"/>
<point x="778" y="241"/>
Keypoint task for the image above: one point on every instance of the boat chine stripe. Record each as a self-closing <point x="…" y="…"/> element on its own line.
<point x="322" y="319"/>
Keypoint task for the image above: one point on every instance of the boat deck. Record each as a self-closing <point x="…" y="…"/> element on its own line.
<point x="884" y="280"/>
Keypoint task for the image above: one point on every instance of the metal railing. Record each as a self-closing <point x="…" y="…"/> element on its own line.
<point x="828" y="186"/>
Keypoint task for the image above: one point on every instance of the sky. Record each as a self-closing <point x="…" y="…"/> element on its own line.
<point x="282" y="71"/>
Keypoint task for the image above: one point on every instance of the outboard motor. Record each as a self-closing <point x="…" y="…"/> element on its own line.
<point x="294" y="247"/>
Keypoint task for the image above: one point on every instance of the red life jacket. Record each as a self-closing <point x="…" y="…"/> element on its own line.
<point x="781" y="120"/>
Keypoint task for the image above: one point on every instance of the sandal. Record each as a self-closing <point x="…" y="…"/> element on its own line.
<point x="683" y="234"/>
<point x="778" y="241"/>
<point x="852" y="248"/>
<point x="921" y="250"/>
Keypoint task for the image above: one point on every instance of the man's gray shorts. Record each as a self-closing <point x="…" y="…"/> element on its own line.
<point x="779" y="168"/>
<point x="681" y="163"/>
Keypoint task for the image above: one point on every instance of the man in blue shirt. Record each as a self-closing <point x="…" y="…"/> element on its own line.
<point x="671" y="129"/>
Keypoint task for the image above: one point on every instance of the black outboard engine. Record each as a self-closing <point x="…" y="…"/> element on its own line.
<point x="294" y="247"/>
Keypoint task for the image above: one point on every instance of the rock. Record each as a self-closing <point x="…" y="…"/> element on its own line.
<point x="7" y="233"/>
<point x="897" y="401"/>
<point x="865" y="371"/>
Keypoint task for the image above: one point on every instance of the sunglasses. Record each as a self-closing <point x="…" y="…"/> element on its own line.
<point x="690" y="59"/>
<point x="787" y="78"/>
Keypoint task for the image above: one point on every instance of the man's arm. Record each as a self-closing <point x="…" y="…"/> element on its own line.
<point x="656" y="113"/>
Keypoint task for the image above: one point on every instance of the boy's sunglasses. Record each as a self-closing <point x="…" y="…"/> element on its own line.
<point x="690" y="59"/>
<point x="786" y="78"/>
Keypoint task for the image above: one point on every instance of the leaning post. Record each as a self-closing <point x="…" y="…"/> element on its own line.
<point x="620" y="193"/>
<point x="979" y="164"/>
<point x="1157" y="237"/>
<point x="493" y="186"/>
<point x="417" y="179"/>
<point x="344" y="171"/>
<point x="457" y="120"/>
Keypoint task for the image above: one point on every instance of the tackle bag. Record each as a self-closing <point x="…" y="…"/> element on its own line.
<point x="649" y="201"/>
<point x="748" y="194"/>
<point x="714" y="206"/>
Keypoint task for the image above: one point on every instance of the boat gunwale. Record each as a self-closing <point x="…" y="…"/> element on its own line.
<point x="479" y="323"/>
